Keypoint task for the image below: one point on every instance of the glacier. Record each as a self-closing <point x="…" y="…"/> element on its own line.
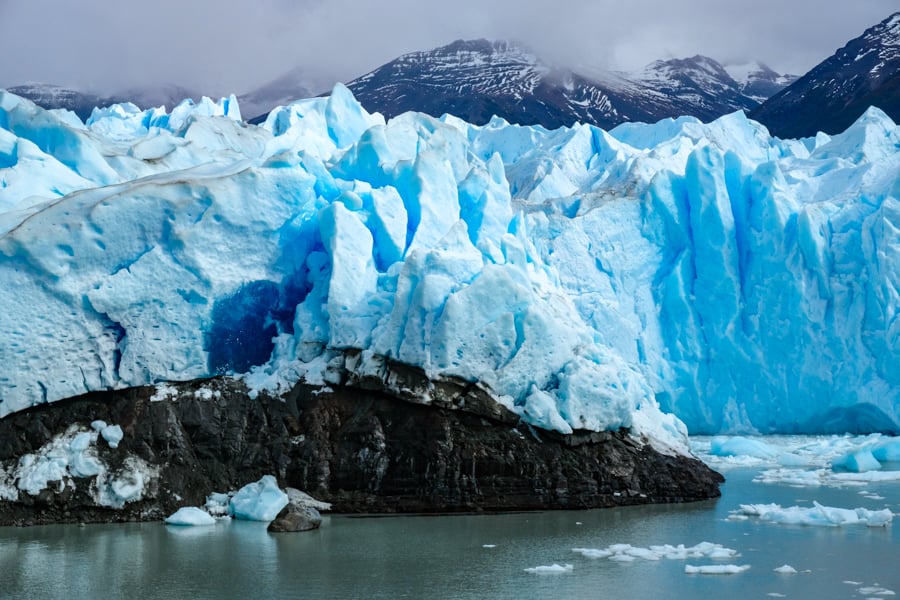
<point x="671" y="277"/>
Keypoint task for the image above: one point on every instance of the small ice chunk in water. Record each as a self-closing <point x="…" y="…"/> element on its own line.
<point x="190" y="516"/>
<point x="785" y="570"/>
<point x="550" y="569"/>
<point x="489" y="545"/>
<point x="876" y="590"/>
<point x="715" y="569"/>
<point x="592" y="552"/>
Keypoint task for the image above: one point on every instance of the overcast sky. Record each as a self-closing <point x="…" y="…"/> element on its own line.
<point x="222" y="46"/>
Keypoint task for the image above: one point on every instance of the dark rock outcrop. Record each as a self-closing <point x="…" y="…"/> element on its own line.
<point x="361" y="449"/>
<point x="293" y="518"/>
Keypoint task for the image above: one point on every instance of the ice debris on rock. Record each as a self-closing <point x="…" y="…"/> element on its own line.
<point x="73" y="454"/>
<point x="218" y="504"/>
<point x="113" y="434"/>
<point x="586" y="278"/>
<point x="301" y="498"/>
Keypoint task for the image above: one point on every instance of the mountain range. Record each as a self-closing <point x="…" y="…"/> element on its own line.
<point x="82" y="103"/>
<point x="477" y="79"/>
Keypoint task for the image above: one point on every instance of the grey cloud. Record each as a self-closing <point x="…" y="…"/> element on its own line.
<point x="230" y="45"/>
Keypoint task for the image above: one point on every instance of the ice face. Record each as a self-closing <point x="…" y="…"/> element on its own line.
<point x="586" y="279"/>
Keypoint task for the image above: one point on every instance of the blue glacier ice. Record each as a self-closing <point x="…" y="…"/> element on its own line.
<point x="651" y="276"/>
<point x="259" y="501"/>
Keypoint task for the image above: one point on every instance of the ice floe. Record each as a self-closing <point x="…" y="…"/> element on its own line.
<point x="627" y="552"/>
<point x="553" y="569"/>
<point x="817" y="515"/>
<point x="715" y="569"/>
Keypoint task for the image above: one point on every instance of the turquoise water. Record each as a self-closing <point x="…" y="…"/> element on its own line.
<point x="445" y="557"/>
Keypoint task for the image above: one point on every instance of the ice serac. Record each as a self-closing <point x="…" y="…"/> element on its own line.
<point x="647" y="277"/>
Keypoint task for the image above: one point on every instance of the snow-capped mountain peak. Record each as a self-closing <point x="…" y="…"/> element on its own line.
<point x="476" y="79"/>
<point x="477" y="66"/>
<point x="757" y="80"/>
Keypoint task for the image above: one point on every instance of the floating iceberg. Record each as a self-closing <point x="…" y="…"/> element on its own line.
<point x="857" y="462"/>
<point x="190" y="516"/>
<point x="259" y="501"/>
<point x="585" y="279"/>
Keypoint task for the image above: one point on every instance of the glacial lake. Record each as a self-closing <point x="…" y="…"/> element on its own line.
<point x="471" y="556"/>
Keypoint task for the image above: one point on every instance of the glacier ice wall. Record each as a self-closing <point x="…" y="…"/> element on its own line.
<point x="585" y="278"/>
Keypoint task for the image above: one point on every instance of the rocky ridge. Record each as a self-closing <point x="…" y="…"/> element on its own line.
<point x="357" y="446"/>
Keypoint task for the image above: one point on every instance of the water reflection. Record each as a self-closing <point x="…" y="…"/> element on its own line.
<point x="446" y="557"/>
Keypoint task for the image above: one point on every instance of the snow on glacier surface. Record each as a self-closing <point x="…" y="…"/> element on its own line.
<point x="588" y="279"/>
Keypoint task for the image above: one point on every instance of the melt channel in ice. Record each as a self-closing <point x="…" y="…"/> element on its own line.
<point x="586" y="278"/>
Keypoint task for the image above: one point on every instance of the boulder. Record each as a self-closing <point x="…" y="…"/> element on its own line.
<point x="296" y="518"/>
